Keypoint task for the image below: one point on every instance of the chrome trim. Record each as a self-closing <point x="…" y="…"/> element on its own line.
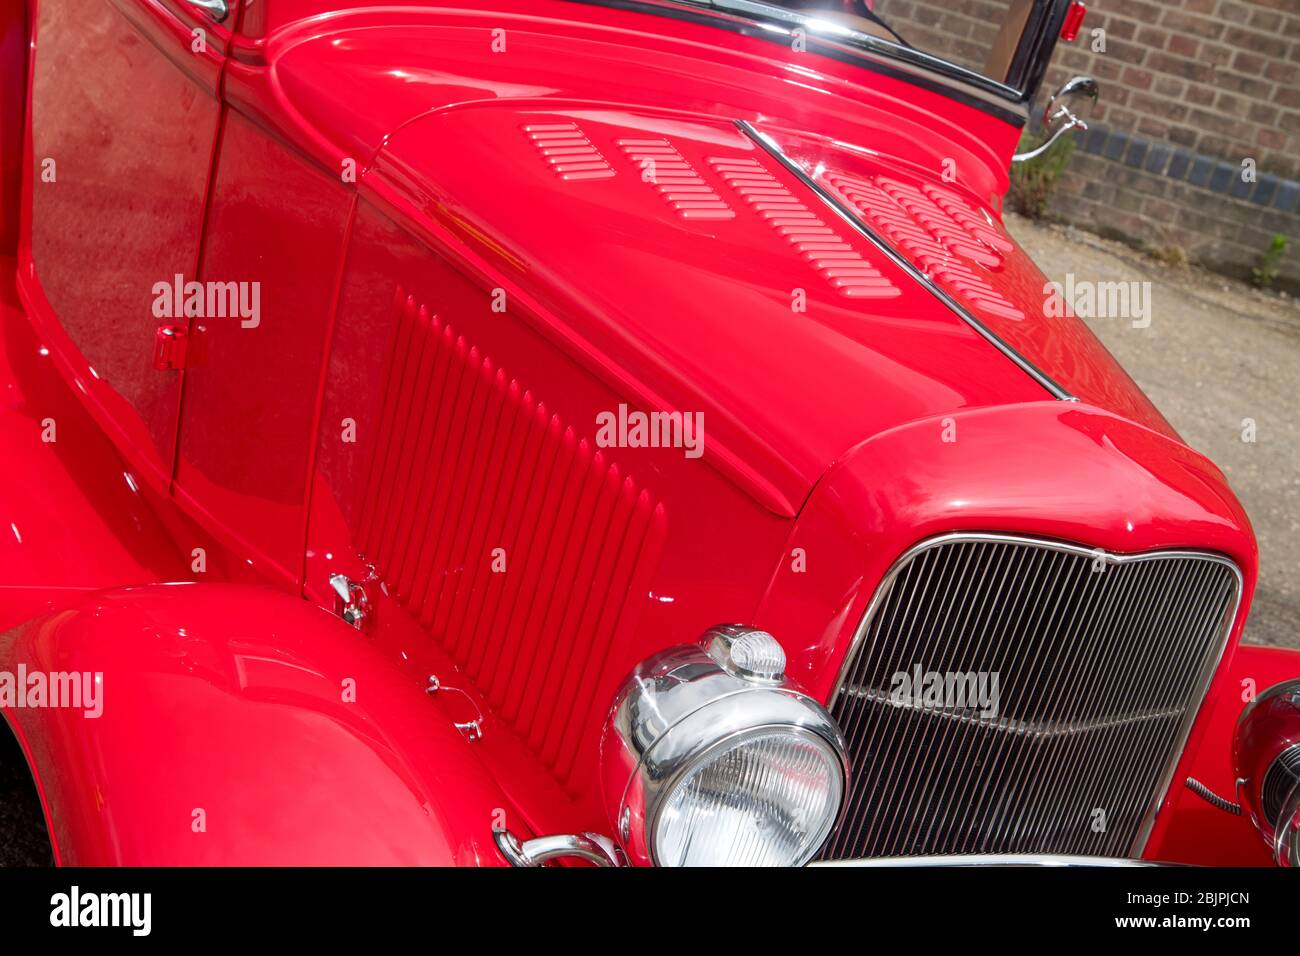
<point x="1286" y="842"/>
<point x="1201" y="684"/>
<point x="1212" y="798"/>
<point x="471" y="729"/>
<point x="1055" y="389"/>
<point x="1073" y="123"/>
<point x="1084" y="84"/>
<point x="592" y="847"/>
<point x="216" y="9"/>
<point x="1291" y="686"/>
<point x="1038" y="728"/>
<point x="747" y="652"/>
<point x="966" y="537"/>
<point x="992" y="859"/>
<point x="351" y="601"/>
<point x="830" y="31"/>
<point x="676" y="709"/>
<point x="846" y="44"/>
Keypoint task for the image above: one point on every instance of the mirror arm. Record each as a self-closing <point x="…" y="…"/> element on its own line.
<point x="1073" y="123"/>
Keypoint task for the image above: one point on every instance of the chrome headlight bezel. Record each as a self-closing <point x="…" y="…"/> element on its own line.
<point x="676" y="711"/>
<point x="1266" y="756"/>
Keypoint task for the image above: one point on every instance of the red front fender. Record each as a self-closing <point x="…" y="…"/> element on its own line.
<point x="1189" y="830"/>
<point x="241" y="726"/>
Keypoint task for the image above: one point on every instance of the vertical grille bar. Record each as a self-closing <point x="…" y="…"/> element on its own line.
<point x="1100" y="661"/>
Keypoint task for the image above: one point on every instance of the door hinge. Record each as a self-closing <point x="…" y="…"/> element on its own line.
<point x="175" y="347"/>
<point x="351" y="601"/>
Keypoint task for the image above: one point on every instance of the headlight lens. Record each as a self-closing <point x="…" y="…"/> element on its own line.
<point x="769" y="800"/>
<point x="707" y="761"/>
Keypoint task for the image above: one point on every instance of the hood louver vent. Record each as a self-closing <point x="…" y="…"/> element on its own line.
<point x="471" y="464"/>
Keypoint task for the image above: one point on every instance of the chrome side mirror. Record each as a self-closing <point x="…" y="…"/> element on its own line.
<point x="1064" y="112"/>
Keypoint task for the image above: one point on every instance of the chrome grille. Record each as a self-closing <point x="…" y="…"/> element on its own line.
<point x="1101" y="662"/>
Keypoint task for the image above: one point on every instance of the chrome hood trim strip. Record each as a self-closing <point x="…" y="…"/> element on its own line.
<point x="764" y="141"/>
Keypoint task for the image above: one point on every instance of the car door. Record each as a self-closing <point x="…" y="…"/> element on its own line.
<point x="125" y="115"/>
<point x="274" y="242"/>
<point x="273" y="245"/>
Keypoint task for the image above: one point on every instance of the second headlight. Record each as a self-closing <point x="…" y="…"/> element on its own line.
<point x="703" y="766"/>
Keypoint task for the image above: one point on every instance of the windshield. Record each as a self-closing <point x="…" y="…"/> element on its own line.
<point x="999" y="45"/>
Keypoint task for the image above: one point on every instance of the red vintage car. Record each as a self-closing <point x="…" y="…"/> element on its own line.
<point x="617" y="431"/>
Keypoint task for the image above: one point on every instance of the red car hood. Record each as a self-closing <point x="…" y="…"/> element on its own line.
<point x="703" y="276"/>
<point x="694" y="272"/>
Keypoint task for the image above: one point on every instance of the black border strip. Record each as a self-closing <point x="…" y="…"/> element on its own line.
<point x="1037" y="374"/>
<point x="1034" y="53"/>
<point x="868" y="44"/>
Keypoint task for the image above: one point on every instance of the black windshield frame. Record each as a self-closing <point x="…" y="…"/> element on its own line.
<point x="763" y="20"/>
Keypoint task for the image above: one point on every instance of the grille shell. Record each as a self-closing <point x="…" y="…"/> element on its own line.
<point x="1100" y="674"/>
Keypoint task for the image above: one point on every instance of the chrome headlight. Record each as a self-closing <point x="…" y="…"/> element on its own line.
<point x="711" y="758"/>
<point x="1266" y="754"/>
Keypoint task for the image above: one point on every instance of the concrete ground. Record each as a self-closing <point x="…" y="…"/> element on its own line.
<point x="1216" y="353"/>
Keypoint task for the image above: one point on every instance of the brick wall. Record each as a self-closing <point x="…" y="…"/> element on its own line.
<point x="1190" y="89"/>
<point x="958" y="30"/>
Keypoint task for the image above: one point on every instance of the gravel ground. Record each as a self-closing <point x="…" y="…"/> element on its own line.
<point x="1216" y="353"/>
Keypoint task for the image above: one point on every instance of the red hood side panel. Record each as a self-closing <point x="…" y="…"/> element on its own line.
<point x="688" y="263"/>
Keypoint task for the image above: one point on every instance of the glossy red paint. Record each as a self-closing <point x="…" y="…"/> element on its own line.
<point x="1127" y="489"/>
<point x="742" y="321"/>
<point x="947" y="233"/>
<point x="560" y="52"/>
<point x="1188" y="829"/>
<point x="73" y="516"/>
<point x="339" y="758"/>
<point x="438" y="335"/>
<point x="277" y="227"/>
<point x="13" y="111"/>
<point x="75" y="521"/>
<point x="118" y="181"/>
